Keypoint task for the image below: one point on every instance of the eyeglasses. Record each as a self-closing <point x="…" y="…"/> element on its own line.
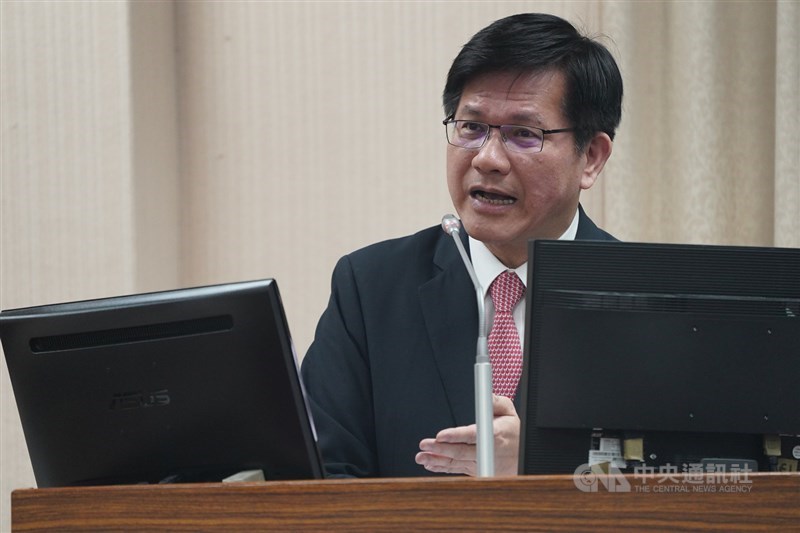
<point x="472" y="135"/>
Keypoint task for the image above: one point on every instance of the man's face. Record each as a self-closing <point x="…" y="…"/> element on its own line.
<point x="505" y="198"/>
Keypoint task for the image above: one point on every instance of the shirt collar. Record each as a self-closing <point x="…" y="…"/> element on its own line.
<point x="487" y="266"/>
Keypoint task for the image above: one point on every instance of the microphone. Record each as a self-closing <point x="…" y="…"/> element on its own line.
<point x="484" y="414"/>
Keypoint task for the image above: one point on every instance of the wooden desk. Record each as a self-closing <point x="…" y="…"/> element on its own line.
<point x="529" y="503"/>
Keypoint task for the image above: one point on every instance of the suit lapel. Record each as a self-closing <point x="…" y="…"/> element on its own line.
<point x="451" y="318"/>
<point x="450" y="312"/>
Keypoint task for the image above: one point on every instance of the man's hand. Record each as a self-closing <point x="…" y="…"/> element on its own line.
<point x="453" y="450"/>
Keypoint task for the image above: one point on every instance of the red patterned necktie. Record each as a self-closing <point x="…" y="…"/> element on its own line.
<point x="505" y="352"/>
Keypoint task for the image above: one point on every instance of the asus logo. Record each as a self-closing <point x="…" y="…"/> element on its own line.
<point x="136" y="400"/>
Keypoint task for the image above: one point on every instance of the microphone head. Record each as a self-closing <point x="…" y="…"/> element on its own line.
<point x="450" y="224"/>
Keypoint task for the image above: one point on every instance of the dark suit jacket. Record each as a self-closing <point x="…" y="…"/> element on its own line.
<point x="392" y="359"/>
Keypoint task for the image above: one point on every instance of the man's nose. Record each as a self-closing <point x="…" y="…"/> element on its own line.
<point x="492" y="156"/>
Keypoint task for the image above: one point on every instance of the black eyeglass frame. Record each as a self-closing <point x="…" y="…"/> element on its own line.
<point x="451" y="120"/>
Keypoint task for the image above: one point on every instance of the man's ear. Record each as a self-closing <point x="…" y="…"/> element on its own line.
<point x="597" y="153"/>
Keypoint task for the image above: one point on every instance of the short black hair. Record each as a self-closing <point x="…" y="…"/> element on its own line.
<point x="536" y="42"/>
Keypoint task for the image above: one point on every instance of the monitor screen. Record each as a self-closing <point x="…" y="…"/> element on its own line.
<point x="641" y="355"/>
<point x="184" y="385"/>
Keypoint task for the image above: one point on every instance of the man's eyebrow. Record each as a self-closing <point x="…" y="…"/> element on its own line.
<point x="470" y="110"/>
<point x="524" y="118"/>
<point x="532" y="118"/>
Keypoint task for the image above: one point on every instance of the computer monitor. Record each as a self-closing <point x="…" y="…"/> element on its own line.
<point x="184" y="385"/>
<point x="644" y="355"/>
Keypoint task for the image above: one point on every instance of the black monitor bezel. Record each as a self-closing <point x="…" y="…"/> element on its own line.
<point x="754" y="274"/>
<point x="263" y="344"/>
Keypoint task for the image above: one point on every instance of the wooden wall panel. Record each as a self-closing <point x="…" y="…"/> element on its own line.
<point x="88" y="175"/>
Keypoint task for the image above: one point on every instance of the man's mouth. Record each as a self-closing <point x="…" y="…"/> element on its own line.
<point x="492" y="198"/>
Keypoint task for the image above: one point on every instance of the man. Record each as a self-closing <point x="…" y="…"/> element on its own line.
<point x="532" y="107"/>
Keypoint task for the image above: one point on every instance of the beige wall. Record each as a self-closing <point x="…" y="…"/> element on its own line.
<point x="153" y="145"/>
<point x="89" y="173"/>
